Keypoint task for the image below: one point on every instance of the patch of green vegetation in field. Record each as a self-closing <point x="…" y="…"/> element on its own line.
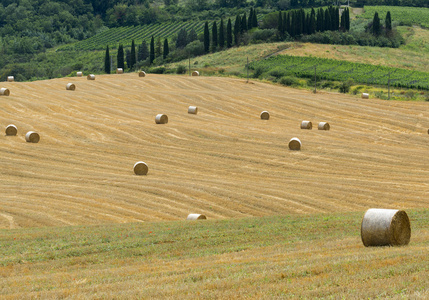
<point x="400" y="15"/>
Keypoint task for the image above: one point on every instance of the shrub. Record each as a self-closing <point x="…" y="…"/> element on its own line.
<point x="345" y="86"/>
<point x="277" y="72"/>
<point x="157" y="70"/>
<point x="289" y="81"/>
<point x="181" y="69"/>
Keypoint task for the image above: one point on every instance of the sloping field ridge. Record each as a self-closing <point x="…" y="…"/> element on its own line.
<point x="224" y="162"/>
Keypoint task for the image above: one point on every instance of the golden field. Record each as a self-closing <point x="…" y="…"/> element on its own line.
<point x="224" y="162"/>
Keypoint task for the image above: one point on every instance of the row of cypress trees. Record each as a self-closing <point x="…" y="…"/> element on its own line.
<point x="132" y="58"/>
<point x="297" y="22"/>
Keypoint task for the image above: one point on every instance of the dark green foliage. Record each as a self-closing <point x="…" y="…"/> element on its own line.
<point x="120" y="57"/>
<point x="221" y="35"/>
<point x="182" y="38"/>
<point x="347" y="19"/>
<point x="181" y="69"/>
<point x="127" y="58"/>
<point x="243" y="27"/>
<point x="206" y="38"/>
<point x="376" y="25"/>
<point x="312" y="22"/>
<point x="166" y="49"/>
<point x="254" y="19"/>
<point x="250" y="19"/>
<point x="229" y="34"/>
<point x="388" y="21"/>
<point x="107" y="61"/>
<point x="152" y="50"/>
<point x="143" y="51"/>
<point x="280" y="27"/>
<point x="214" y="36"/>
<point x="133" y="55"/>
<point x="237" y="29"/>
<point x="158" y="47"/>
<point x="345" y="86"/>
<point x="327" y="19"/>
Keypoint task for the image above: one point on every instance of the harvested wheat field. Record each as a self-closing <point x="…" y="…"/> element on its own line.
<point x="224" y="162"/>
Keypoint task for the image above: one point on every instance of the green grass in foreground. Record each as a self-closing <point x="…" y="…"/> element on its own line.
<point x="284" y="256"/>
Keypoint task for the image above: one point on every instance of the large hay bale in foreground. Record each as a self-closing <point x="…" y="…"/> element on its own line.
<point x="70" y="87"/>
<point x="119" y="71"/>
<point x="265" y="115"/>
<point x="365" y="96"/>
<point x="196" y="217"/>
<point x="142" y="74"/>
<point x="161" y="119"/>
<point x="90" y="77"/>
<point x="10" y="78"/>
<point x="11" y="130"/>
<point x="32" y="137"/>
<point x="323" y="126"/>
<point x="4" y="92"/>
<point x="385" y="227"/>
<point x="195" y="73"/>
<point x="192" y="110"/>
<point x="295" y="144"/>
<point x="140" y="168"/>
<point x="79" y="74"/>
<point x="306" y="125"/>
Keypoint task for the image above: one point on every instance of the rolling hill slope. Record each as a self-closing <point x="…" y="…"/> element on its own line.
<point x="224" y="162"/>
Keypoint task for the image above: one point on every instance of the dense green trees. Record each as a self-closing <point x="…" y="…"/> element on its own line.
<point x="120" y="57"/>
<point x="206" y="38"/>
<point x="107" y="61"/>
<point x="152" y="50"/>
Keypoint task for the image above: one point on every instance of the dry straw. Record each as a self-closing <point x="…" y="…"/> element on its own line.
<point x="79" y="74"/>
<point x="90" y="77"/>
<point x="385" y="227"/>
<point x="192" y="110"/>
<point x="10" y="78"/>
<point x="161" y="119"/>
<point x="4" y="92"/>
<point x="195" y="73"/>
<point x="265" y="115"/>
<point x="70" y="87"/>
<point x="306" y="125"/>
<point x="142" y="74"/>
<point x="295" y="144"/>
<point x="32" y="137"/>
<point x="365" y="96"/>
<point x="140" y="168"/>
<point x="119" y="71"/>
<point x="196" y="217"/>
<point x="323" y="126"/>
<point x="11" y="129"/>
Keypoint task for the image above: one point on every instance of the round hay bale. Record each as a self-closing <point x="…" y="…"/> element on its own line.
<point x="265" y="115"/>
<point x="90" y="77"/>
<point x="295" y="144"/>
<point x="192" y="110"/>
<point x="385" y="227"/>
<point x="4" y="92"/>
<point x="142" y="74"/>
<point x="161" y="119"/>
<point x="11" y="130"/>
<point x="119" y="71"/>
<point x="306" y="125"/>
<point x="10" y="78"/>
<point x="79" y="74"/>
<point x="323" y="126"/>
<point x="365" y="96"/>
<point x="70" y="87"/>
<point x="195" y="73"/>
<point x="140" y="168"/>
<point x="196" y="217"/>
<point x="32" y="137"/>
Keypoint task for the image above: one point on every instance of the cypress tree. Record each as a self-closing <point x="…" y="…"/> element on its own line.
<point x="120" y="57"/>
<point x="133" y="55"/>
<point x="128" y="58"/>
<point x="337" y="18"/>
<point x="158" y="47"/>
<point x="376" y="26"/>
<point x="229" y="34"/>
<point x="343" y="21"/>
<point x="288" y="25"/>
<point x="237" y="29"/>
<point x="388" y="22"/>
<point x="254" y="19"/>
<point x="347" y="18"/>
<point x="249" y="20"/>
<point x="312" y="25"/>
<point x="221" y="35"/>
<point x="244" y="23"/>
<point x="285" y="25"/>
<point x="327" y="19"/>
<point x="280" y="24"/>
<point x="152" y="50"/>
<point x="166" y="49"/>
<point x="320" y="23"/>
<point x="214" y="36"/>
<point x="206" y="38"/>
<point x="107" y="61"/>
<point x="143" y="52"/>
